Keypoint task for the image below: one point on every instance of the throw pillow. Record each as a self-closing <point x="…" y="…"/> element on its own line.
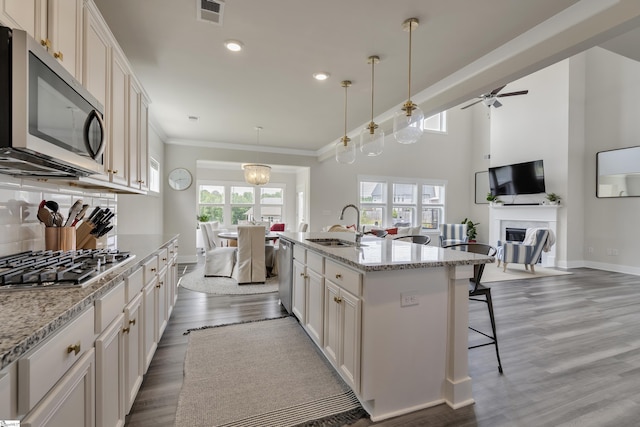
<point x="277" y="227"/>
<point x="392" y="230"/>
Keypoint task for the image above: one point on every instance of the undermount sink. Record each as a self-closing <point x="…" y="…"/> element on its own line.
<point x="336" y="243"/>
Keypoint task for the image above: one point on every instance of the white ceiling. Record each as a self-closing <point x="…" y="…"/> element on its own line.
<point x="186" y="70"/>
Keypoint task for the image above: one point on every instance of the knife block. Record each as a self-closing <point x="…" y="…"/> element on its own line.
<point x="60" y="238"/>
<point x="93" y="242"/>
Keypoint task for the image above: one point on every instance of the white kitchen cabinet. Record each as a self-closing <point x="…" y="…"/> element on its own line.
<point x="315" y="306"/>
<point x="161" y="309"/>
<point x="299" y="297"/>
<point x="138" y="137"/>
<point x="8" y="392"/>
<point x="149" y="334"/>
<point x="96" y="56"/>
<point x="56" y="24"/>
<point x="117" y="120"/>
<point x="133" y="350"/>
<point x="110" y="393"/>
<point x="71" y="402"/>
<point x="20" y="14"/>
<point x="342" y="332"/>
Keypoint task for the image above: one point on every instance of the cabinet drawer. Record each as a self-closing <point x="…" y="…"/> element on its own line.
<point x="300" y="253"/>
<point x="172" y="249"/>
<point x="42" y="367"/>
<point x="133" y="285"/>
<point x="348" y="279"/>
<point x="315" y="262"/>
<point x="109" y="306"/>
<point x="150" y="269"/>
<point x="163" y="257"/>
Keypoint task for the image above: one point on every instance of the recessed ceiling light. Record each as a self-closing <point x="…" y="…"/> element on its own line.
<point x="234" y="45"/>
<point x="321" y="76"/>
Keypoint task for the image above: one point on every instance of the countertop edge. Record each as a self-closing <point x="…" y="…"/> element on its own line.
<point x="95" y="291"/>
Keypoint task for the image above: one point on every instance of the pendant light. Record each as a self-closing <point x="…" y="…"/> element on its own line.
<point x="371" y="137"/>
<point x="345" y="149"/>
<point x="256" y="173"/>
<point x="408" y="122"/>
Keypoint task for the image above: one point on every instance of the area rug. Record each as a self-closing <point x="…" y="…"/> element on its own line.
<point x="493" y="273"/>
<point x="195" y="281"/>
<point x="261" y="374"/>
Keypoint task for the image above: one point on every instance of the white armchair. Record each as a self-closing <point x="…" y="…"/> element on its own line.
<point x="218" y="261"/>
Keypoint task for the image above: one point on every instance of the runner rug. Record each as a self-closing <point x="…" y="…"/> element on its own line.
<point x="261" y="374"/>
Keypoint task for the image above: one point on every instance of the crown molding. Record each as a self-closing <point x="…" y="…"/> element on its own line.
<point x="241" y="147"/>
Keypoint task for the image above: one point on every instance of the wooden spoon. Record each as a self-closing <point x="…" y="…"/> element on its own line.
<point x="45" y="217"/>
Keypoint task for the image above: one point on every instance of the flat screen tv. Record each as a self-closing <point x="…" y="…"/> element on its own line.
<point x="518" y="178"/>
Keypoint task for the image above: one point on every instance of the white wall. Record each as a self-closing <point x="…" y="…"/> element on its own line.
<point x="435" y="156"/>
<point x="612" y="120"/>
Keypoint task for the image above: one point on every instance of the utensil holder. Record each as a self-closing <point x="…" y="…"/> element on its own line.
<point x="94" y="243"/>
<point x="60" y="238"/>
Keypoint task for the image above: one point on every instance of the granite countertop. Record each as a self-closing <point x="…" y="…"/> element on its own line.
<point x="385" y="254"/>
<point x="29" y="316"/>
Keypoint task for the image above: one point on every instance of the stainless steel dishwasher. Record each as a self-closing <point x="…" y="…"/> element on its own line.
<point x="285" y="271"/>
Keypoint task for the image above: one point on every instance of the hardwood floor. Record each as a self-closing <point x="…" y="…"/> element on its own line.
<point x="569" y="345"/>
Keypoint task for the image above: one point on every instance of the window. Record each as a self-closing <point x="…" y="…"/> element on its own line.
<point x="410" y="202"/>
<point x="436" y="123"/>
<point x="229" y="203"/>
<point x="154" y="175"/>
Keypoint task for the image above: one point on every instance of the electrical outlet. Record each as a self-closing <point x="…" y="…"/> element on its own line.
<point x="409" y="298"/>
<point x="590" y="250"/>
<point x="614" y="252"/>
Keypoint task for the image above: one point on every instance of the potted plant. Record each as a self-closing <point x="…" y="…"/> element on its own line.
<point x="553" y="199"/>
<point x="493" y="199"/>
<point x="472" y="233"/>
<point x="202" y="218"/>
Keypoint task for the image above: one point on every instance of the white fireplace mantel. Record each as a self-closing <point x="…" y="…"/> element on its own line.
<point x="524" y="216"/>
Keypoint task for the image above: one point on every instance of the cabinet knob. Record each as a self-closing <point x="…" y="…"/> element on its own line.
<point x="46" y="43"/>
<point x="338" y="276"/>
<point x="337" y="299"/>
<point x="75" y="348"/>
<point x="132" y="322"/>
<point x="153" y="269"/>
<point x="58" y="55"/>
<point x="164" y="259"/>
<point x="126" y="330"/>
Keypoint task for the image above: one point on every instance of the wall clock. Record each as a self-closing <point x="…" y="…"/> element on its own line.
<point x="180" y="179"/>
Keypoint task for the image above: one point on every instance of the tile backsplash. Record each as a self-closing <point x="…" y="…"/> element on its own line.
<point x="20" y="229"/>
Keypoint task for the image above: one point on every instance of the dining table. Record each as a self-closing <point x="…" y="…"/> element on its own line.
<point x="270" y="258"/>
<point x="233" y="235"/>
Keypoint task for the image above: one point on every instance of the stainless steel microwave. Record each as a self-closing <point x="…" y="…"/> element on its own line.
<point x="50" y="126"/>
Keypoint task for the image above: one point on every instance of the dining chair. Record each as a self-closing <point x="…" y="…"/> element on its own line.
<point x="479" y="292"/>
<point x="420" y="239"/>
<point x="218" y="261"/>
<point x="250" y="265"/>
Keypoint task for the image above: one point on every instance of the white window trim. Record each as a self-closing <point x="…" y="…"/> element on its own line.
<point x="226" y="208"/>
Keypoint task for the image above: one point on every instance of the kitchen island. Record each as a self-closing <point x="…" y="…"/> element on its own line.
<point x="390" y="316"/>
<point x="94" y="341"/>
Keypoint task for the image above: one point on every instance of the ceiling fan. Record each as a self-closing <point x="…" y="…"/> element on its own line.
<point x="491" y="99"/>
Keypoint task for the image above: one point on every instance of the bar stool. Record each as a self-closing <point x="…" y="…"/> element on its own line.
<point x="477" y="291"/>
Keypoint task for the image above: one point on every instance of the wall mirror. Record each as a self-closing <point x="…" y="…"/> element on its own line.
<point x="482" y="187"/>
<point x="618" y="173"/>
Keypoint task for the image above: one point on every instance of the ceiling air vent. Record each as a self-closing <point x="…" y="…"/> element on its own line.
<point x="210" y="11"/>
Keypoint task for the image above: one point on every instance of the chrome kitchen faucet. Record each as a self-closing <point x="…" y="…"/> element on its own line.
<point x="358" y="233"/>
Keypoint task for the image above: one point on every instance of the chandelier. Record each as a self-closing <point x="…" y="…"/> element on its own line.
<point x="408" y="122"/>
<point x="256" y="173"/>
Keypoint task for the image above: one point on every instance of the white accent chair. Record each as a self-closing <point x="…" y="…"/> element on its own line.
<point x="218" y="261"/>
<point x="302" y="227"/>
<point x="250" y="266"/>
<point x="451" y="234"/>
<point x="527" y="252"/>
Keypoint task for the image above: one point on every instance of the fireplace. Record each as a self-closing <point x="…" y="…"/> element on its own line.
<point x="514" y="234"/>
<point x="520" y="217"/>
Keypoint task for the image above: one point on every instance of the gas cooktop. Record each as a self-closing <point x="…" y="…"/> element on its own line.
<point x="58" y="269"/>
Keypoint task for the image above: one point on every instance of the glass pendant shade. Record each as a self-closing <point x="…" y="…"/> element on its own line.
<point x="345" y="152"/>
<point x="257" y="174"/>
<point x="408" y="129"/>
<point x="371" y="141"/>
